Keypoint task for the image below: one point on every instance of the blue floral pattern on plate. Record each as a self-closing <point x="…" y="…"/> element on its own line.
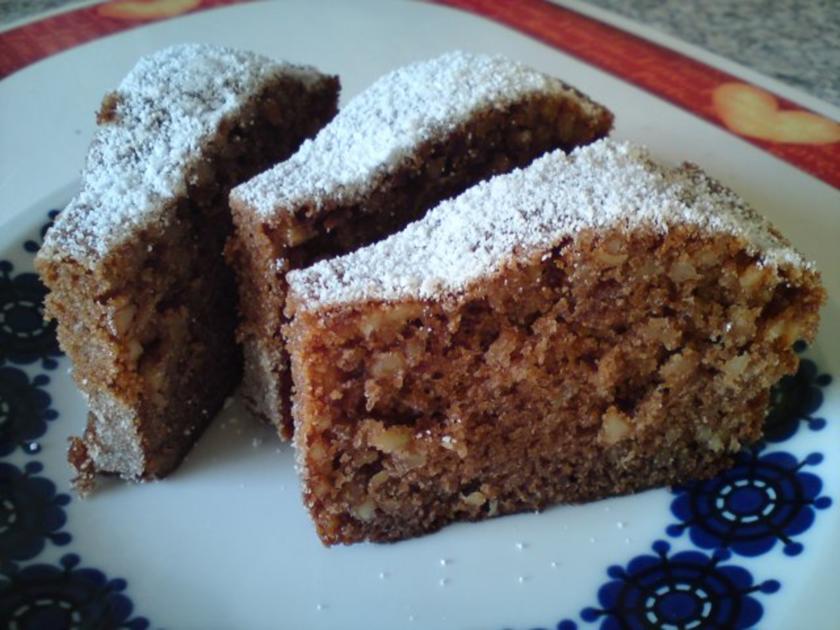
<point x="40" y="596"/>
<point x="64" y="596"/>
<point x="30" y="512"/>
<point x="25" y="410"/>
<point x="24" y="335"/>
<point x="685" y="590"/>
<point x="794" y="401"/>
<point x="762" y="500"/>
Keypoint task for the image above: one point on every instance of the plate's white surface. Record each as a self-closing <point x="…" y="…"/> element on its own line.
<point x="225" y="542"/>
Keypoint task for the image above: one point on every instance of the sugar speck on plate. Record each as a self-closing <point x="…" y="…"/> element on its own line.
<point x="620" y="524"/>
<point x="319" y="607"/>
<point x="627" y="540"/>
<point x="383" y="575"/>
<point x="520" y="546"/>
<point x="445" y="561"/>
<point x="554" y="564"/>
<point x="256" y="442"/>
<point x="522" y="579"/>
<point x="411" y="617"/>
<point x="592" y="539"/>
<point x="443" y="581"/>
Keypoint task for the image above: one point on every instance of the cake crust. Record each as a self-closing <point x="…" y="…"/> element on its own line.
<point x="620" y="330"/>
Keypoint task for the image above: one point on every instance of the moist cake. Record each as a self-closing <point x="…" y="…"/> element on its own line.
<point x="592" y="325"/>
<point x="416" y="136"/>
<point x="144" y="301"/>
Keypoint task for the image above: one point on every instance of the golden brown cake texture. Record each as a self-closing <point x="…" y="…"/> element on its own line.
<point x="144" y="301"/>
<point x="592" y="325"/>
<point x="418" y="135"/>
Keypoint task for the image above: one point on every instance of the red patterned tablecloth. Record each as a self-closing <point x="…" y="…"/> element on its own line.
<point x="803" y="138"/>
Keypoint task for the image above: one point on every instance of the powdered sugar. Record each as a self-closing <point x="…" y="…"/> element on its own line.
<point x="166" y="109"/>
<point x="526" y="212"/>
<point x="385" y="123"/>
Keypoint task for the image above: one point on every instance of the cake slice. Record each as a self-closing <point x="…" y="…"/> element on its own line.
<point x="144" y="301"/>
<point x="416" y="136"/>
<point x="592" y="325"/>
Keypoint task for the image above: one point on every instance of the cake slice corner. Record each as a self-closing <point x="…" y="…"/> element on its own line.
<point x="591" y="325"/>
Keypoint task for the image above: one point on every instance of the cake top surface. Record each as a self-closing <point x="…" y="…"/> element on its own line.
<point x="167" y="107"/>
<point x="386" y="122"/>
<point x="526" y="212"/>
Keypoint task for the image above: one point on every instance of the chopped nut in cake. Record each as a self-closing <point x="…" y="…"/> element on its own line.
<point x="144" y="300"/>
<point x="591" y="325"/>
<point x="418" y="135"/>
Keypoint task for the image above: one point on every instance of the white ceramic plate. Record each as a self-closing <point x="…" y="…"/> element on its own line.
<point x="226" y="543"/>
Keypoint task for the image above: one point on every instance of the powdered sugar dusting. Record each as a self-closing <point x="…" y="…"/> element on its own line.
<point x="528" y="211"/>
<point x="385" y="123"/>
<point x="166" y="109"/>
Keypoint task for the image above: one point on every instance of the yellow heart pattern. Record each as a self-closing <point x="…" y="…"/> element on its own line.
<point x="752" y="112"/>
<point x="146" y="10"/>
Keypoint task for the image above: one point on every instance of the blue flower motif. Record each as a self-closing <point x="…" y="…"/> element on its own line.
<point x="566" y="624"/>
<point x="32" y="246"/>
<point x="794" y="400"/>
<point x="64" y="596"/>
<point x="24" y="410"/>
<point x="30" y="512"/>
<point x="683" y="591"/>
<point x="748" y="508"/>
<point x="24" y="335"/>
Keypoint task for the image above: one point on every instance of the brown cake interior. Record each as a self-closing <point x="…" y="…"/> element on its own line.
<point x="150" y="328"/>
<point x="616" y="363"/>
<point x="493" y="141"/>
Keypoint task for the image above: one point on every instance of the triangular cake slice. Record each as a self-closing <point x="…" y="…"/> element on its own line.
<point x="144" y="301"/>
<point x="592" y="325"/>
<point x="416" y="136"/>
